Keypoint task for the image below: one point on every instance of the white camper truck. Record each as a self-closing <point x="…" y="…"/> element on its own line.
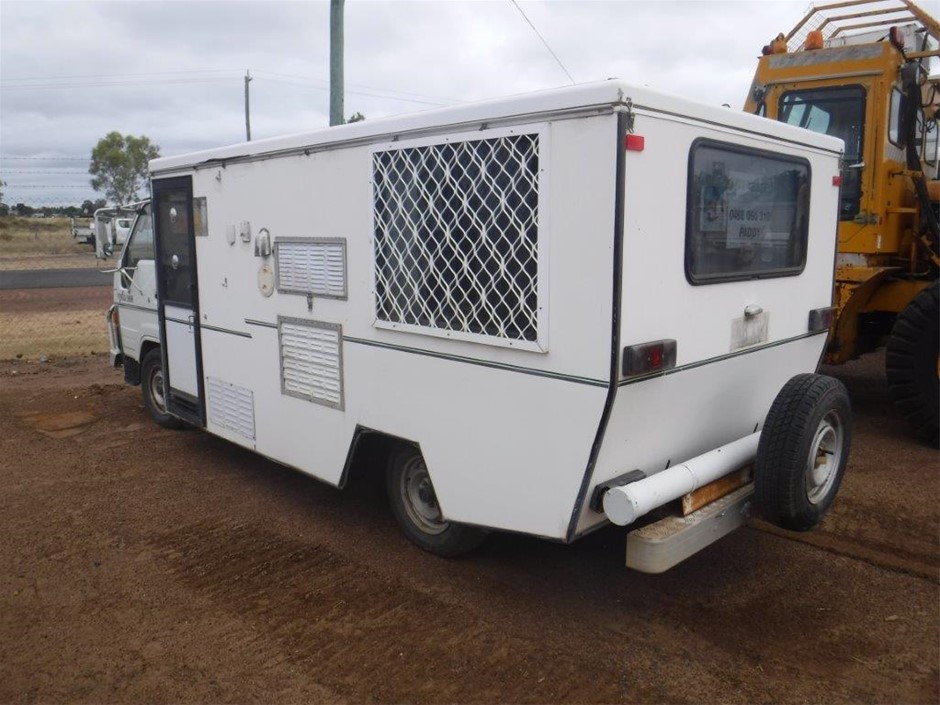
<point x="588" y="305"/>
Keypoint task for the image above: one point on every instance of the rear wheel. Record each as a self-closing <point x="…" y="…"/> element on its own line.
<point x="414" y="504"/>
<point x="154" y="389"/>
<point x="912" y="363"/>
<point x="802" y="452"/>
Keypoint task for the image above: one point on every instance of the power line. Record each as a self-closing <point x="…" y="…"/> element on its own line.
<point x="42" y="171"/>
<point x="109" y="84"/>
<point x="355" y="92"/>
<point x="52" y="159"/>
<point x="56" y="82"/>
<point x="115" y="75"/>
<point x="539" y="35"/>
<point x="360" y="86"/>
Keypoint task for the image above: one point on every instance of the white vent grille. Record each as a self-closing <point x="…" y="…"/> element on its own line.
<point x="311" y="266"/>
<point x="312" y="360"/>
<point x="456" y="236"/>
<point x="232" y="407"/>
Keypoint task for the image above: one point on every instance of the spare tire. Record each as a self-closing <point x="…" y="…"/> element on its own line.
<point x="802" y="452"/>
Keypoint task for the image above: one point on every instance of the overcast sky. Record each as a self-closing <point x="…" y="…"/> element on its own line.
<point x="173" y="70"/>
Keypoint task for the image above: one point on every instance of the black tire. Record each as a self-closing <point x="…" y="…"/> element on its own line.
<point x="414" y="504"/>
<point x="151" y="382"/>
<point x="802" y="452"/>
<point x="911" y="364"/>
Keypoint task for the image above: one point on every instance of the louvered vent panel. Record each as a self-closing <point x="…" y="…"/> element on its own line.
<point x="232" y="407"/>
<point x="311" y="361"/>
<point x="314" y="266"/>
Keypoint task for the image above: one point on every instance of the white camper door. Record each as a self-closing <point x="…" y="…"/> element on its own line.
<point x="179" y="298"/>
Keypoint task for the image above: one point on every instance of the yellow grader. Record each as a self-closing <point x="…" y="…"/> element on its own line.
<point x="860" y="70"/>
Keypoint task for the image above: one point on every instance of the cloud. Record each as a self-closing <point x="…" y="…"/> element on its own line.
<point x="72" y="71"/>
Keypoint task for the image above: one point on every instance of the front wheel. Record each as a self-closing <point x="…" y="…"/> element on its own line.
<point x="154" y="389"/>
<point x="414" y="504"/>
<point x="802" y="451"/>
<point x="912" y="364"/>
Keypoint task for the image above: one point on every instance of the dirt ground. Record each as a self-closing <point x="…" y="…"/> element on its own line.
<point x="145" y="565"/>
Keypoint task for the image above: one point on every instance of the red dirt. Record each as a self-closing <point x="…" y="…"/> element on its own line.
<point x="150" y="565"/>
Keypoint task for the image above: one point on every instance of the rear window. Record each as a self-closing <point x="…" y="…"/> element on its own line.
<point x="747" y="213"/>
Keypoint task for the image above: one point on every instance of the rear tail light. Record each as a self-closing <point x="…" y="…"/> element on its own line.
<point x="634" y="143"/>
<point x="821" y="318"/>
<point x="646" y="358"/>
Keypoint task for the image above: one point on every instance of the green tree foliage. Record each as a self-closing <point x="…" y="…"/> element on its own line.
<point x="119" y="165"/>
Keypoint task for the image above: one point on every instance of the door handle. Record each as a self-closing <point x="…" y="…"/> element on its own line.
<point x="752" y="310"/>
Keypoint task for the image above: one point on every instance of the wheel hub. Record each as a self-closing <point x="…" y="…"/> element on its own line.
<point x="824" y="457"/>
<point x="156" y="389"/>
<point x="419" y="499"/>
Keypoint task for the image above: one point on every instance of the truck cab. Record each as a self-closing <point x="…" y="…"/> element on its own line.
<point x="133" y="325"/>
<point x="864" y="75"/>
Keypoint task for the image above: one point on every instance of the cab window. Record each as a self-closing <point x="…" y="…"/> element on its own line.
<point x="746" y="215"/>
<point x="838" y="111"/>
<point x="140" y="245"/>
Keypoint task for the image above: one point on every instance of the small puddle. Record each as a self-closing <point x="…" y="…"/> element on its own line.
<point x="61" y="425"/>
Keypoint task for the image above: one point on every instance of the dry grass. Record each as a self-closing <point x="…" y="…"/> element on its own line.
<point x="42" y="243"/>
<point x="37" y="236"/>
<point x="52" y="333"/>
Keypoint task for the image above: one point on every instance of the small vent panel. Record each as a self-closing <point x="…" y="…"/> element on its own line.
<point x="312" y="361"/>
<point x="312" y="266"/>
<point x="232" y="407"/>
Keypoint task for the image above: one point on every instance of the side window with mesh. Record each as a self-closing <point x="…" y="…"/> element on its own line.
<point x="456" y="238"/>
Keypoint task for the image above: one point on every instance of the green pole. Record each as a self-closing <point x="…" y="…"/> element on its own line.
<point x="336" y="62"/>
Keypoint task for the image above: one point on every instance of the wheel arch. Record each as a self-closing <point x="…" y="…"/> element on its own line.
<point x="369" y="452"/>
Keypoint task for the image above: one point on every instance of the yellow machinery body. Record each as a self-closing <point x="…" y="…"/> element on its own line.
<point x="884" y="257"/>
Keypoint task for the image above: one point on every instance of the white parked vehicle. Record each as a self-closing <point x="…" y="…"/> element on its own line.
<point x="588" y="305"/>
<point x="110" y="228"/>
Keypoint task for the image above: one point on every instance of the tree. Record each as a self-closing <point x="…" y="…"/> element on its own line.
<point x="356" y="117"/>
<point x="119" y="165"/>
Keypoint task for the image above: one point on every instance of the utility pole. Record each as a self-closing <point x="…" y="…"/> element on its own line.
<point x="247" y="116"/>
<point x="336" y="62"/>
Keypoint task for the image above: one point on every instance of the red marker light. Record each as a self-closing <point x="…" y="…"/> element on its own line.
<point x="634" y="143"/>
<point x="646" y="358"/>
<point x="836" y="180"/>
<point x="655" y="357"/>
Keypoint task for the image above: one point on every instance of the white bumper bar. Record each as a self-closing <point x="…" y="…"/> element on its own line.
<point x="624" y="505"/>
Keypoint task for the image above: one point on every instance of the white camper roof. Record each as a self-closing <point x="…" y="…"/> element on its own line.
<point x="598" y="95"/>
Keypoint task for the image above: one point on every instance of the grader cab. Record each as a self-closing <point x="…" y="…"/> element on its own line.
<point x="861" y="70"/>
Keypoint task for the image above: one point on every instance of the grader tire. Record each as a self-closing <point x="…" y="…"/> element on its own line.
<point x="912" y="364"/>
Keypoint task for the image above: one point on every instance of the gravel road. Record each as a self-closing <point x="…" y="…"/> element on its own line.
<point x="145" y="565"/>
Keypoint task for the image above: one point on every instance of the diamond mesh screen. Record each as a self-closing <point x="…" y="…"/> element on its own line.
<point x="456" y="236"/>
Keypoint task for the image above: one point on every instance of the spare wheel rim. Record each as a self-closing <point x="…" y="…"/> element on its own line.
<point x="825" y="457"/>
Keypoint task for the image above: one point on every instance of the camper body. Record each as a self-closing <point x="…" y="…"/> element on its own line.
<point x="552" y="300"/>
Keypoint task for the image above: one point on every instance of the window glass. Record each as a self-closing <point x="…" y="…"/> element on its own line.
<point x="930" y="141"/>
<point x="894" y="118"/>
<point x="840" y="112"/>
<point x="747" y="213"/>
<point x="919" y="131"/>
<point x="141" y="242"/>
<point x="456" y="236"/>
